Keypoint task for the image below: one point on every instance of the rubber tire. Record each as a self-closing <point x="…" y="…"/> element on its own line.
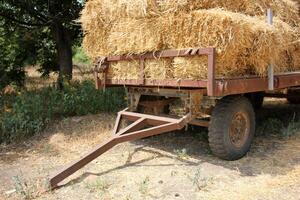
<point x="218" y="135"/>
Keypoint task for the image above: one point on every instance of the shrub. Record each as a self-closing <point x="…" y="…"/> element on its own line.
<point x="33" y="110"/>
<point x="29" y="114"/>
<point x="82" y="99"/>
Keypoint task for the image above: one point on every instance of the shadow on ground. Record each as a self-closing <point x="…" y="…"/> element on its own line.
<point x="270" y="154"/>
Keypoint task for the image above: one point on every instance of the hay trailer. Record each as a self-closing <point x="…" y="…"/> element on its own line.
<point x="225" y="105"/>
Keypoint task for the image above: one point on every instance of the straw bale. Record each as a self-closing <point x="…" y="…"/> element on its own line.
<point x="244" y="44"/>
<point x="112" y="10"/>
<point x="135" y="36"/>
<point x="124" y="70"/>
<point x="158" y="69"/>
<point x="295" y="55"/>
<point x="95" y="43"/>
<point x="196" y="68"/>
<point x="99" y="16"/>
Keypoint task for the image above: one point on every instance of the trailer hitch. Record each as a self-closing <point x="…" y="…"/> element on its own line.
<point x="142" y="126"/>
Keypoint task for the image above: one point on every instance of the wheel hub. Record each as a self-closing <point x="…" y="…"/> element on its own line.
<point x="239" y="129"/>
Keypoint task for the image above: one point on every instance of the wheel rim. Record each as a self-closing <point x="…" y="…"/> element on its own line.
<point x="239" y="129"/>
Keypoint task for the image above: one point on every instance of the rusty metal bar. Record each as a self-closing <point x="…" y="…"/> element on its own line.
<point x="134" y="116"/>
<point x="117" y="124"/>
<point x="131" y="132"/>
<point x="223" y="87"/>
<point x="161" y="54"/>
<point x="211" y="73"/>
<point x="287" y="80"/>
<point x="198" y="122"/>
<point x="135" y="126"/>
<point x="256" y="84"/>
<point x="159" y="83"/>
<point x="75" y="166"/>
<point x="150" y="132"/>
<point x="118" y="120"/>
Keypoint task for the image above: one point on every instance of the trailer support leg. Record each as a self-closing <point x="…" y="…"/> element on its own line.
<point x="143" y="126"/>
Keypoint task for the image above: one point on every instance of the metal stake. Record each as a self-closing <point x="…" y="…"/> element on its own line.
<point x="270" y="67"/>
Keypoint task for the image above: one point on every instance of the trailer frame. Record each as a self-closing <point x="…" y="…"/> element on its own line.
<point x="216" y="87"/>
<point x="195" y="94"/>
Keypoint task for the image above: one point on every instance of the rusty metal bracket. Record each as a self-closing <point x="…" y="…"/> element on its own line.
<point x="143" y="126"/>
<point x="101" y="66"/>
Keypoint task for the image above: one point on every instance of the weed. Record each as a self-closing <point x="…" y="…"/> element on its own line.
<point x="181" y="153"/>
<point x="292" y="128"/>
<point x="144" y="186"/>
<point x="277" y="127"/>
<point x="98" y="186"/>
<point x="200" y="181"/>
<point x="29" y="189"/>
<point x="174" y="173"/>
<point x="21" y="188"/>
<point x="270" y="126"/>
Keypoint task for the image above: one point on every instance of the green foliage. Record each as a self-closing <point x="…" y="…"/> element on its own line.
<point x="46" y="52"/>
<point x="12" y="56"/>
<point x="82" y="99"/>
<point x="51" y="30"/>
<point x="79" y="57"/>
<point x="33" y="110"/>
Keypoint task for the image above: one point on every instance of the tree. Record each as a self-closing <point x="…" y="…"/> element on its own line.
<point x="12" y="55"/>
<point x="52" y="24"/>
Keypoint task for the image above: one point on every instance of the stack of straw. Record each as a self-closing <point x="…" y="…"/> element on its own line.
<point x="245" y="43"/>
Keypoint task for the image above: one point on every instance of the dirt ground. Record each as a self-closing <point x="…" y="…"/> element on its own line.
<point x="170" y="166"/>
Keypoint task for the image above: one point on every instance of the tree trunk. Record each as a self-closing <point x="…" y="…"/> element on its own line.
<point x="64" y="51"/>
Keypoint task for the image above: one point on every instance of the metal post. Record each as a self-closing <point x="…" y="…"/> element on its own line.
<point x="211" y="82"/>
<point x="270" y="67"/>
